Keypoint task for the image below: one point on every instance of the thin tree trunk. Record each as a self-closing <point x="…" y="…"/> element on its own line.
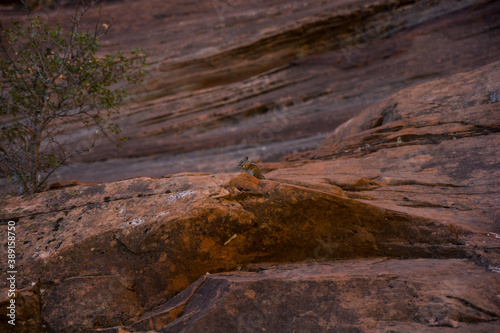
<point x="37" y="144"/>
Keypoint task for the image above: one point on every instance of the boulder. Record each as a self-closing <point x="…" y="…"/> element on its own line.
<point x="370" y="295"/>
<point x="389" y="225"/>
<point x="102" y="255"/>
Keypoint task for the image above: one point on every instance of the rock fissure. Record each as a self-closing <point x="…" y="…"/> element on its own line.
<point x="465" y="302"/>
<point x="127" y="247"/>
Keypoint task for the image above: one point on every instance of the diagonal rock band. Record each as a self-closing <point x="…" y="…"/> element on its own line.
<point x="390" y="224"/>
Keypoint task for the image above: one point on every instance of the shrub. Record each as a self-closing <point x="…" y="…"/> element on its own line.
<point x="50" y="77"/>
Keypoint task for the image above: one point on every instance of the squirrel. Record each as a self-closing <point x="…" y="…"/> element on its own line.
<point x="250" y="168"/>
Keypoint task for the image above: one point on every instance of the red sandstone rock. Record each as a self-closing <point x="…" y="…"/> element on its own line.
<point x="359" y="296"/>
<point x="268" y="78"/>
<point x="392" y="222"/>
<point x="430" y="150"/>
<point x="101" y="255"/>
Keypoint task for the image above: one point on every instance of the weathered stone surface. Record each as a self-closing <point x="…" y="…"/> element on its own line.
<point x="266" y="78"/>
<point x="102" y="255"/>
<point x="343" y="296"/>
<point x="27" y="316"/>
<point x="430" y="150"/>
<point x="391" y="224"/>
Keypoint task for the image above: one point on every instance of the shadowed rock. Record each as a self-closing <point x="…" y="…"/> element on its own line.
<point x="358" y="296"/>
<point x="103" y="254"/>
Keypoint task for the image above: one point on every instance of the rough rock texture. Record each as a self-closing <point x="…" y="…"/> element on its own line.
<point x="342" y="296"/>
<point x="259" y="78"/>
<point x="102" y="255"/>
<point x="430" y="150"/>
<point x="392" y="183"/>
<point x="390" y="225"/>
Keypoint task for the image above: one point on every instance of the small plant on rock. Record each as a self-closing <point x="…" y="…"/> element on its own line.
<point x="51" y="77"/>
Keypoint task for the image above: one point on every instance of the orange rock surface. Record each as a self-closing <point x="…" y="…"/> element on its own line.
<point x="388" y="222"/>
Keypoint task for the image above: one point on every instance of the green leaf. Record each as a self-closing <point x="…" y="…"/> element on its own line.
<point x="51" y="76"/>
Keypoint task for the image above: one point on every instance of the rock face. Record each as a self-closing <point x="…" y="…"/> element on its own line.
<point x="390" y="184"/>
<point x="389" y="225"/>
<point x="343" y="296"/>
<point x="429" y="150"/>
<point x="100" y="258"/>
<point x="263" y="79"/>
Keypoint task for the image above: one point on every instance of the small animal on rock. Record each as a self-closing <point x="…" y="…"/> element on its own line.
<point x="251" y="168"/>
